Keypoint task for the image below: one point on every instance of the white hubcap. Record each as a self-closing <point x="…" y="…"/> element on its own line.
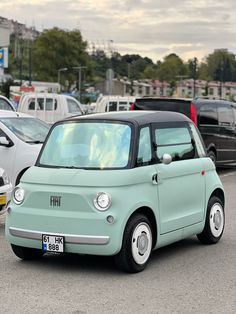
<point x="216" y="220"/>
<point x="141" y="243"/>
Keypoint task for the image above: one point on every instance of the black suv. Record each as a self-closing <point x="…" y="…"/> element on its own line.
<point x="216" y="121"/>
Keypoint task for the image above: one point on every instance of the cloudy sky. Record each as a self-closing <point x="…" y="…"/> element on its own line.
<point x="152" y="28"/>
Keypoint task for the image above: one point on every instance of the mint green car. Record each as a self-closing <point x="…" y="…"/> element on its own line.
<point x="120" y="184"/>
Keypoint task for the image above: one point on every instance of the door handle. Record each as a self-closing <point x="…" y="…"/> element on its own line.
<point x="155" y="179"/>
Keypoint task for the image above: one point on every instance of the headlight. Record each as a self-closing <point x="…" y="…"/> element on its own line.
<point x="5" y="177"/>
<point x="18" y="195"/>
<point x="102" y="201"/>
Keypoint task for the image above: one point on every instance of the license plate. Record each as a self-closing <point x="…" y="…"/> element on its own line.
<point x="52" y="243"/>
<point x="3" y="199"/>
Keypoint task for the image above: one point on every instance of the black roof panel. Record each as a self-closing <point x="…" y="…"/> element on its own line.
<point x="140" y="117"/>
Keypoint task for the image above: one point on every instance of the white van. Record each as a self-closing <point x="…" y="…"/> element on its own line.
<point x="49" y="107"/>
<point x="114" y="103"/>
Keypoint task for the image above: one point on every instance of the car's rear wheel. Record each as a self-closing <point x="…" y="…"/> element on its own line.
<point x="26" y="253"/>
<point x="215" y="222"/>
<point x="137" y="245"/>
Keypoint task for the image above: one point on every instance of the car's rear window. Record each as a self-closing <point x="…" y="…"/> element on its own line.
<point x="175" y="105"/>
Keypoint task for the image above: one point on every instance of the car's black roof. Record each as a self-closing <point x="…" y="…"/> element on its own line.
<point x="139" y="117"/>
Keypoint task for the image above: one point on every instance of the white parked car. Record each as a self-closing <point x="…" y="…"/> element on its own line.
<point x="49" y="107"/>
<point x="5" y="104"/>
<point x="113" y="103"/>
<point x="21" y="138"/>
<point x="5" y="191"/>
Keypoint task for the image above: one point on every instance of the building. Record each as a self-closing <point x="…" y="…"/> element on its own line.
<point x="200" y="88"/>
<point x="139" y="88"/>
<point x="20" y="30"/>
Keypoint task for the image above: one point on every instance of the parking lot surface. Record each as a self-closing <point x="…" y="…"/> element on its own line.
<point x="186" y="277"/>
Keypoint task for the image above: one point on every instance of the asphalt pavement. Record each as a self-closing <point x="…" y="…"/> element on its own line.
<point x="186" y="277"/>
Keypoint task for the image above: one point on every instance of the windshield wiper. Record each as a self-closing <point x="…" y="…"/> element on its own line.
<point x="35" y="142"/>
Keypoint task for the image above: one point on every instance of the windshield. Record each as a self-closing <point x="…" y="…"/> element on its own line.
<point x="29" y="130"/>
<point x="73" y="106"/>
<point x="88" y="145"/>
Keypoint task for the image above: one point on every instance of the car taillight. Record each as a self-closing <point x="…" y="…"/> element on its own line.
<point x="193" y="113"/>
<point x="132" y="106"/>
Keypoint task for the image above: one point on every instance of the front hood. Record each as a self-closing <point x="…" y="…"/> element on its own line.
<point x="87" y="178"/>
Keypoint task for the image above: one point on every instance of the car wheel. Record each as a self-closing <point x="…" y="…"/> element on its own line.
<point x="26" y="253"/>
<point x="212" y="155"/>
<point x="215" y="222"/>
<point x="137" y="245"/>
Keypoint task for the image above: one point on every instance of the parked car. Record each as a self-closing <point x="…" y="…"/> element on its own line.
<point x="114" y="103"/>
<point x="216" y="120"/>
<point x="21" y="137"/>
<point x="5" y="104"/>
<point x="118" y="184"/>
<point x="49" y="107"/>
<point x="5" y="191"/>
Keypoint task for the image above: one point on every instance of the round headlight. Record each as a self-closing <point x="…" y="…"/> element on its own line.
<point x="102" y="201"/>
<point x="18" y="195"/>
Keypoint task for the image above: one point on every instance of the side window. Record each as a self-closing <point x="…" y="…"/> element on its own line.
<point x="40" y="103"/>
<point x="198" y="141"/>
<point x="112" y="106"/>
<point x="51" y="104"/>
<point x="123" y="106"/>
<point x="4" y="105"/>
<point x="2" y="134"/>
<point x="31" y="104"/>
<point x="175" y="141"/>
<point x="208" y="115"/>
<point x="73" y="106"/>
<point x="225" y="115"/>
<point x="144" y="148"/>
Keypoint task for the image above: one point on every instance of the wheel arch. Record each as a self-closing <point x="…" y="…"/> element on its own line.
<point x="148" y="212"/>
<point x="20" y="175"/>
<point x="220" y="194"/>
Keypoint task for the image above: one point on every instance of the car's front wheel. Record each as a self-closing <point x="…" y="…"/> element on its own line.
<point x="214" y="223"/>
<point x="26" y="253"/>
<point x="137" y="245"/>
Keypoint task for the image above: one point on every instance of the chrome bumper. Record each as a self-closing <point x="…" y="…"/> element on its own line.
<point x="69" y="238"/>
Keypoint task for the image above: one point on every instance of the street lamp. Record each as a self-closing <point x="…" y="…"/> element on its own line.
<point x="58" y="75"/>
<point x="79" y="78"/>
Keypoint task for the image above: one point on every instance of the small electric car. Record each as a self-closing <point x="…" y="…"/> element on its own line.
<point x="119" y="184"/>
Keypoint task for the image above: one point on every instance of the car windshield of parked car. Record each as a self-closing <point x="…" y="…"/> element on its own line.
<point x="29" y="130"/>
<point x="91" y="144"/>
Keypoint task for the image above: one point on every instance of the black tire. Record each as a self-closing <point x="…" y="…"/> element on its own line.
<point x="130" y="258"/>
<point x="26" y="253"/>
<point x="212" y="155"/>
<point x="214" y="223"/>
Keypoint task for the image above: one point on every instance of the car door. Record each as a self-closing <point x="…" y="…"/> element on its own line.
<point x="7" y="153"/>
<point x="180" y="184"/>
<point x="227" y="146"/>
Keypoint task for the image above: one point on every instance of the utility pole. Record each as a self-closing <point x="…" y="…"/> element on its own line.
<point x="58" y="74"/>
<point x="30" y="65"/>
<point x="79" y="68"/>
<point x="194" y="76"/>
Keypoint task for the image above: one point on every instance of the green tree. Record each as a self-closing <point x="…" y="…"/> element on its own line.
<point x="221" y="65"/>
<point x="171" y="69"/>
<point x="55" y="49"/>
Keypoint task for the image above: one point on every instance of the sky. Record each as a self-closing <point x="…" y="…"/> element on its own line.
<point x="150" y="28"/>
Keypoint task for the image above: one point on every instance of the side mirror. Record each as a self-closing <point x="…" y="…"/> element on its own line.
<point x="5" y="142"/>
<point x="166" y="159"/>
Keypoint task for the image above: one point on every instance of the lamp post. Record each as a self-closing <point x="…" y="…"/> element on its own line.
<point x="79" y="68"/>
<point x="58" y="74"/>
